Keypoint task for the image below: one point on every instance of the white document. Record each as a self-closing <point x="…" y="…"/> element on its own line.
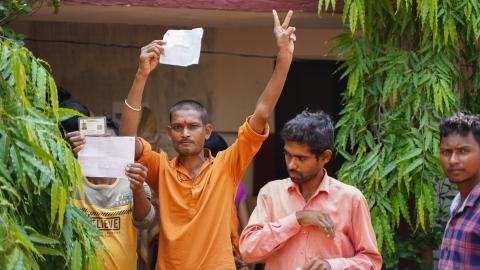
<point x="182" y="48"/>
<point x="106" y="156"/>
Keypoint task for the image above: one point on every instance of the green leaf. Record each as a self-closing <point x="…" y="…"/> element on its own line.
<point x="389" y="168"/>
<point x="412" y="166"/>
<point x="76" y="259"/>
<point x="49" y="251"/>
<point x="42" y="239"/>
<point x="413" y="153"/>
<point x="54" y="202"/>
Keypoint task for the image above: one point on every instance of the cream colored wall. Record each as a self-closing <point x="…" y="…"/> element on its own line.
<point x="97" y="62"/>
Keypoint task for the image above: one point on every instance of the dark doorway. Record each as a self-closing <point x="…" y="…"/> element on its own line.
<point x="310" y="84"/>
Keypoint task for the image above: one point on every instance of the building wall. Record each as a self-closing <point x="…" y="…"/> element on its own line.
<point x="97" y="63"/>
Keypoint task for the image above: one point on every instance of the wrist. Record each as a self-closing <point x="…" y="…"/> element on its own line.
<point x="141" y="75"/>
<point x="284" y="53"/>
<point x="137" y="193"/>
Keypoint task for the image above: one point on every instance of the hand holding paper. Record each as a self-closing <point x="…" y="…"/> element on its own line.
<point x="182" y="47"/>
<point x="106" y="156"/>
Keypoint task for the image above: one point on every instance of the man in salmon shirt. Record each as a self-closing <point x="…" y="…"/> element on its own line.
<point x="195" y="190"/>
<point x="310" y="221"/>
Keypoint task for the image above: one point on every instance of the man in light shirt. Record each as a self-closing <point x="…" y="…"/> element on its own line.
<point x="310" y="220"/>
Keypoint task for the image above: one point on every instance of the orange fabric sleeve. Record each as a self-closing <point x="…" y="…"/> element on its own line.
<point x="241" y="152"/>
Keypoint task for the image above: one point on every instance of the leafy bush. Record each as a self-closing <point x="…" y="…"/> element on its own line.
<point x="39" y="226"/>
<point x="409" y="63"/>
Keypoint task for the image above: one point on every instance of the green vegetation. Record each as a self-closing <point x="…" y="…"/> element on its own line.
<point x="409" y="64"/>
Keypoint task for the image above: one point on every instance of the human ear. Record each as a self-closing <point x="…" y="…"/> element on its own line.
<point x="208" y="131"/>
<point x="326" y="156"/>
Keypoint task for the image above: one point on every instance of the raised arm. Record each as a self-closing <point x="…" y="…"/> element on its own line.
<point x="285" y="38"/>
<point x="149" y="57"/>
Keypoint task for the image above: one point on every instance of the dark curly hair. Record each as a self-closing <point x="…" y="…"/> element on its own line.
<point x="462" y="123"/>
<point x="314" y="129"/>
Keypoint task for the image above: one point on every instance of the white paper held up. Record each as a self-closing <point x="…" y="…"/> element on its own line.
<point x="182" y="48"/>
<point x="106" y="156"/>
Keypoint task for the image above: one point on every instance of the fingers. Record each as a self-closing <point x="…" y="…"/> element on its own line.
<point x="136" y="171"/>
<point x="152" y="52"/>
<point x="77" y="149"/>
<point x="135" y="185"/>
<point x="308" y="265"/>
<point x="153" y="43"/>
<point x="72" y="134"/>
<point x="153" y="47"/>
<point x="316" y="264"/>
<point x="327" y="227"/>
<point x="276" y="21"/>
<point x="159" y="42"/>
<point x="286" y="22"/>
<point x="76" y="140"/>
<point x="290" y="31"/>
<point x="293" y="37"/>
<point x="330" y="226"/>
<point x="136" y="174"/>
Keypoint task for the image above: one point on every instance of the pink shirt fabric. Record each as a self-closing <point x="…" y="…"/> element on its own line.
<point x="274" y="235"/>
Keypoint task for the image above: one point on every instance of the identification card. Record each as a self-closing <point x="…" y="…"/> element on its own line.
<point x="92" y="126"/>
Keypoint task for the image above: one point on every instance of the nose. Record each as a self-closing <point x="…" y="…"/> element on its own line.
<point x="185" y="132"/>
<point x="291" y="164"/>
<point x="453" y="159"/>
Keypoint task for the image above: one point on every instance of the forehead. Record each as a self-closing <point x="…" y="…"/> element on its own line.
<point x="457" y="140"/>
<point x="189" y="116"/>
<point x="297" y="149"/>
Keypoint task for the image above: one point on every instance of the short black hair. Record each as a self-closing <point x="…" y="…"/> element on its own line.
<point x="314" y="129"/>
<point x="111" y="124"/>
<point x="71" y="124"/>
<point x="189" y="104"/>
<point x="63" y="94"/>
<point x="462" y="123"/>
<point x="215" y="143"/>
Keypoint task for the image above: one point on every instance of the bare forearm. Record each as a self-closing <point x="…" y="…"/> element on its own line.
<point x="130" y="117"/>
<point x="141" y="206"/>
<point x="268" y="99"/>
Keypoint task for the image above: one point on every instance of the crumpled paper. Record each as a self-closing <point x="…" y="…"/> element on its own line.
<point x="182" y="48"/>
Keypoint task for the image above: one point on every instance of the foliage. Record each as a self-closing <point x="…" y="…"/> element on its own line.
<point x="9" y="9"/>
<point x="39" y="226"/>
<point x="409" y="63"/>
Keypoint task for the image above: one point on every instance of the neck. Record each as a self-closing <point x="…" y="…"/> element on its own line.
<point x="192" y="163"/>
<point x="101" y="180"/>
<point x="308" y="188"/>
<point x="466" y="187"/>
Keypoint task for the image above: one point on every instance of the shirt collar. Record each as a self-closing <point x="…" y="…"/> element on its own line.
<point x="323" y="187"/>
<point x="473" y="196"/>
<point x="206" y="153"/>
<point x="469" y="201"/>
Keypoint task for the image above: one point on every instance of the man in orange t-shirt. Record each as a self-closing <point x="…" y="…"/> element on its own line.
<point x="195" y="190"/>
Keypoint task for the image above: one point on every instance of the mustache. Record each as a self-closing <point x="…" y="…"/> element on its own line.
<point x="455" y="170"/>
<point x="185" y="141"/>
<point x="295" y="172"/>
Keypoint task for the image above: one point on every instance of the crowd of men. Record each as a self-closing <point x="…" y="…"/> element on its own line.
<point x="308" y="221"/>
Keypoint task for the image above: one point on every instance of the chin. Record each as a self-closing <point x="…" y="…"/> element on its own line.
<point x="458" y="179"/>
<point x="298" y="181"/>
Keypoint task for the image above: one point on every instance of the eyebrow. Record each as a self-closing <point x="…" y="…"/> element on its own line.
<point x="459" y="147"/>
<point x="297" y="156"/>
